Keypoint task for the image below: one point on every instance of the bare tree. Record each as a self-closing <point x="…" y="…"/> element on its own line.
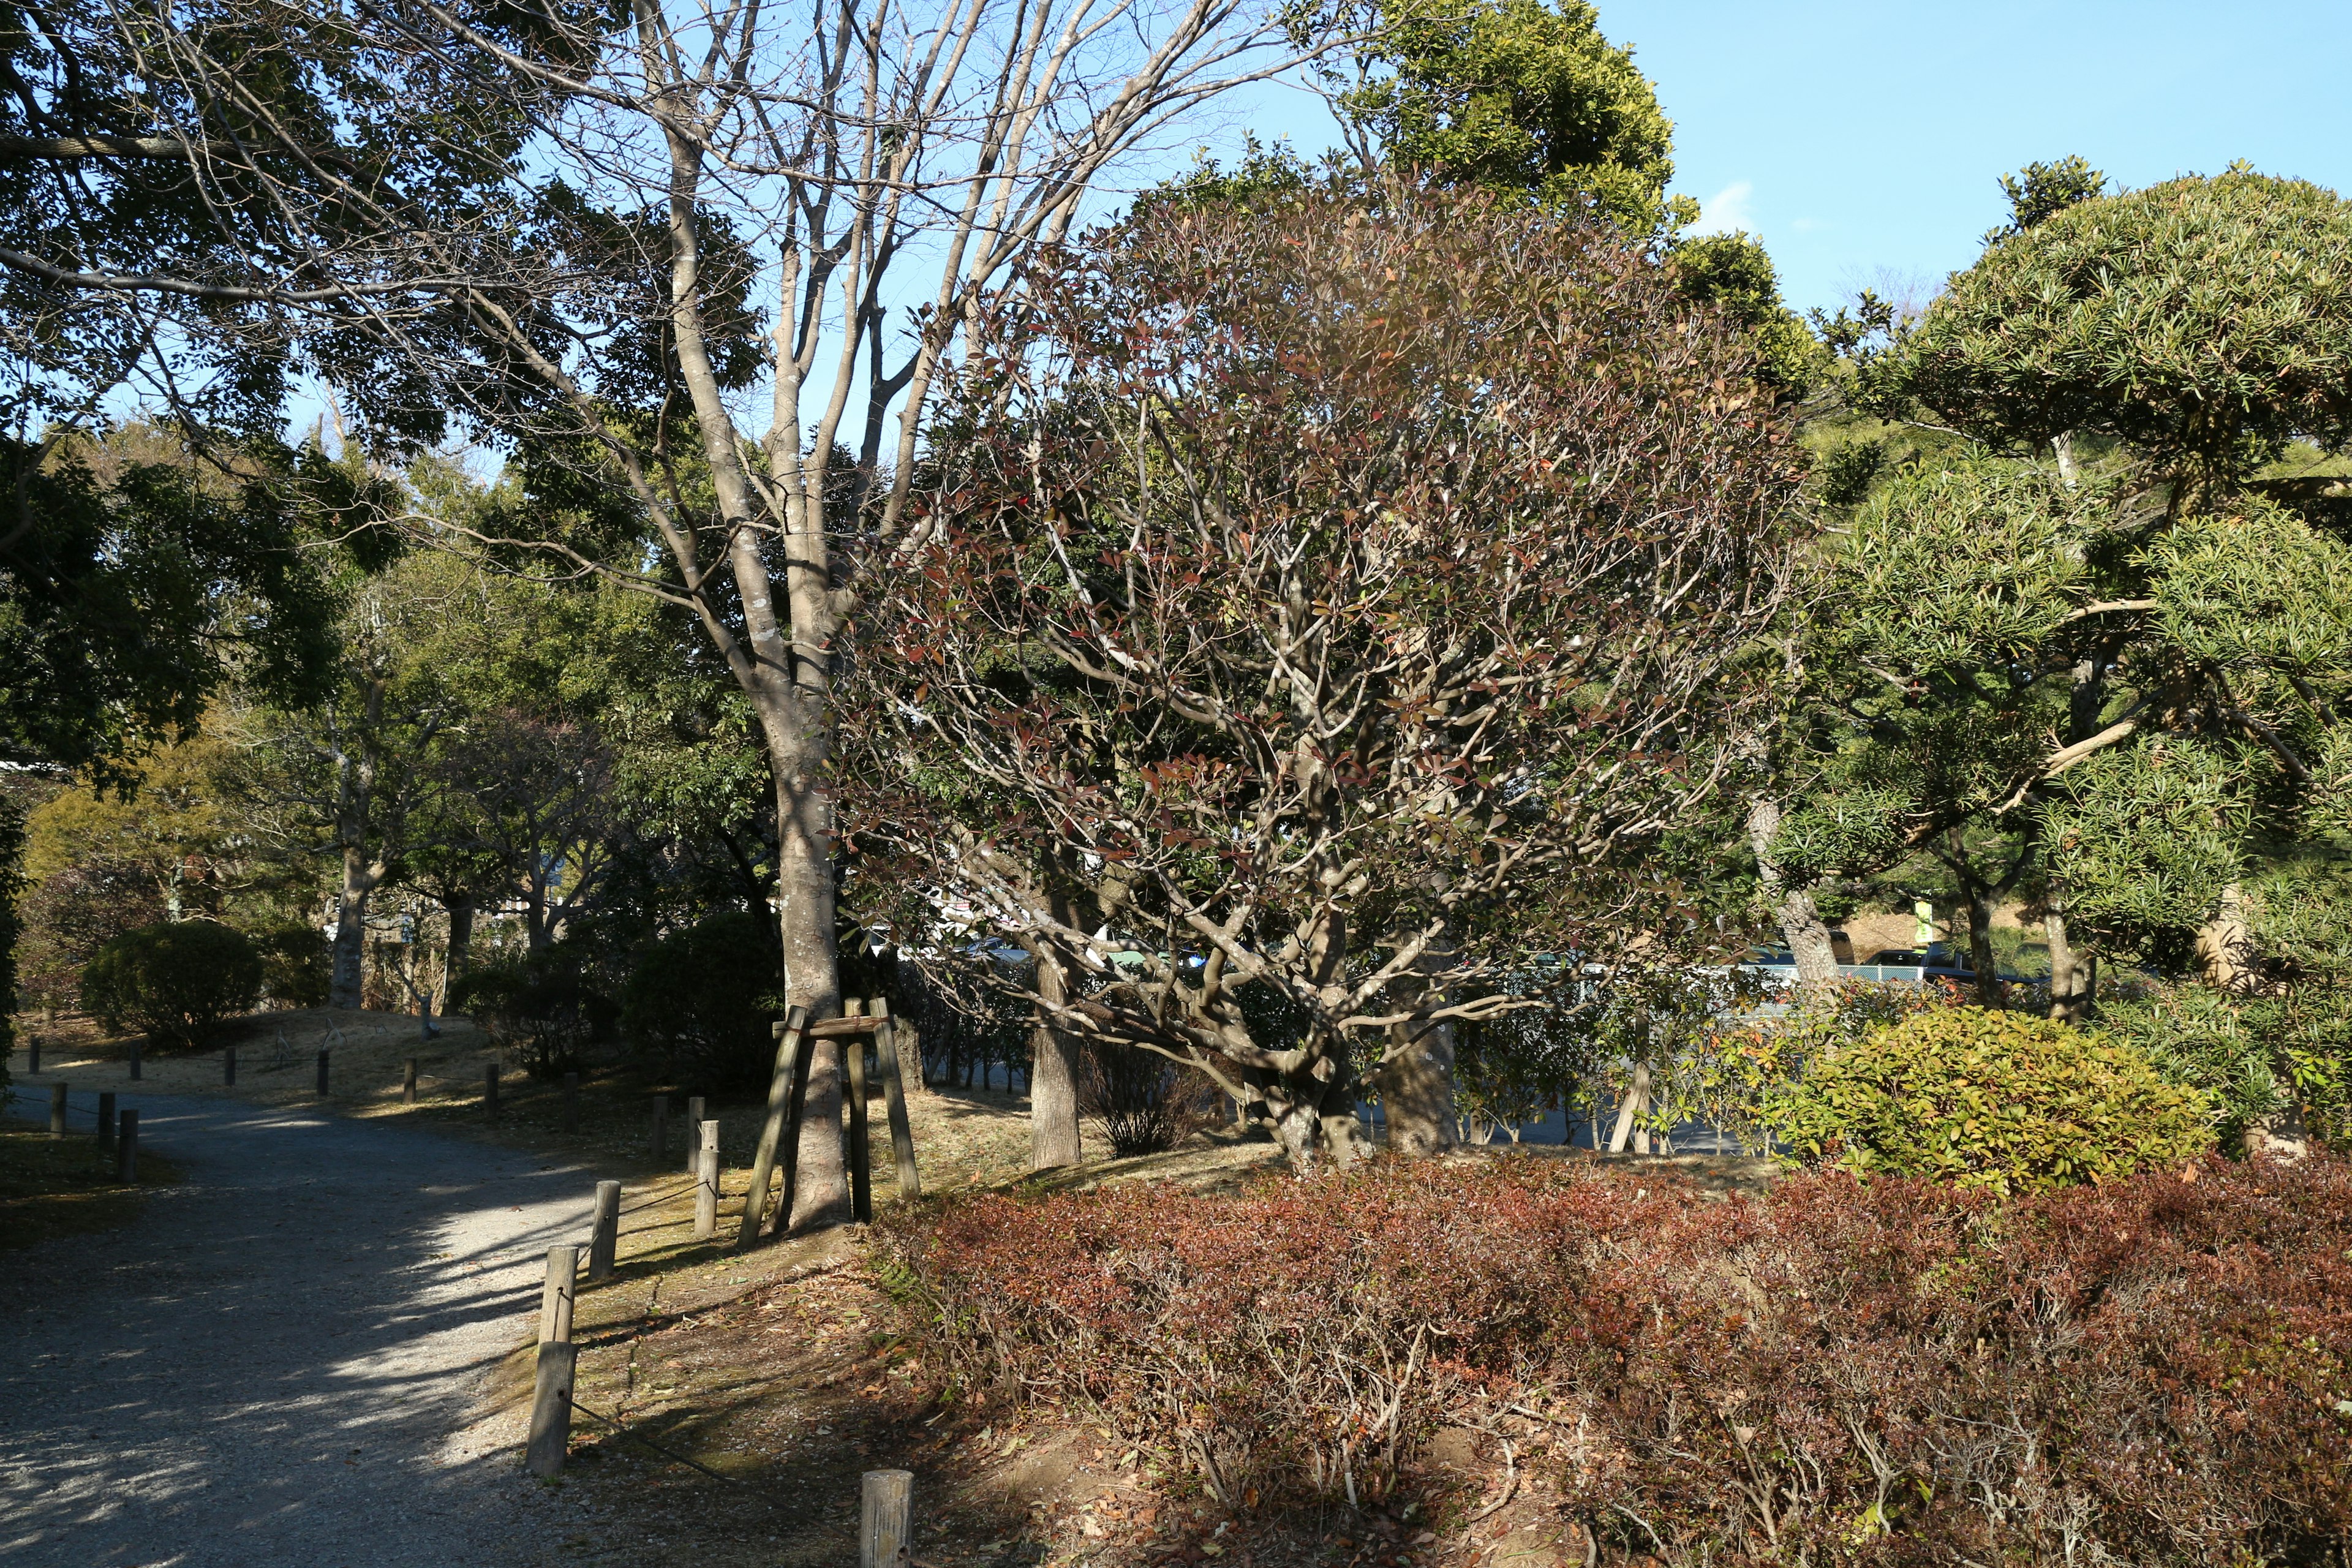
<point x="1356" y="597"/>
<point x="579" y="281"/>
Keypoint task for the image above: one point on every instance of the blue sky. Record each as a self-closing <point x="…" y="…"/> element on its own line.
<point x="1864" y="142"/>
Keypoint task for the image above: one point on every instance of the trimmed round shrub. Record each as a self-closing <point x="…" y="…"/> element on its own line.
<point x="702" y="1000"/>
<point x="549" y="1004"/>
<point x="1980" y="1098"/>
<point x="177" y="983"/>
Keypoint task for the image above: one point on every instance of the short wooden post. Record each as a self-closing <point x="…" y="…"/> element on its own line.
<point x="771" y="1128"/>
<point x="57" y="1111"/>
<point x="555" y="1296"/>
<point x="887" y="1526"/>
<point x="604" y="1238"/>
<point x="229" y="1066"/>
<point x="894" y="1100"/>
<point x="861" y="1153"/>
<point x="126" y="1148"/>
<point x="706" y="1186"/>
<point x="32" y="1056"/>
<point x="491" y="1091"/>
<point x="106" y="1119"/>
<point x="693" y="1133"/>
<point x="408" y="1082"/>
<point x="134" y="1061"/>
<point x="570" y="1103"/>
<point x="661" y="1128"/>
<point x="550" y="1410"/>
<point x="322" y="1072"/>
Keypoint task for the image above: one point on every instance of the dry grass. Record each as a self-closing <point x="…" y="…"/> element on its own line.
<point x="52" y="1187"/>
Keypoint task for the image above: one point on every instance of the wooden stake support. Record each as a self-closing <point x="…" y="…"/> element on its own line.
<point x="861" y="1149"/>
<point x="57" y="1111"/>
<point x="105" y="1120"/>
<point x="661" y="1128"/>
<point x="570" y="1103"/>
<point x="786" y="1088"/>
<point x="126" y="1148"/>
<point x="894" y="1100"/>
<point x="491" y="1091"/>
<point x="693" y="1133"/>
<point x="229" y="1066"/>
<point x="322" y="1073"/>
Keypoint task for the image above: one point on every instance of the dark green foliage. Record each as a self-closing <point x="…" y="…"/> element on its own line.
<point x="2252" y="1057"/>
<point x="1845" y="474"/>
<point x="2206" y="322"/>
<point x="123" y="604"/>
<point x="1735" y="273"/>
<point x="550" y="1004"/>
<point x="702" y="1001"/>
<point x="1518" y="95"/>
<point x="2042" y="191"/>
<point x="1988" y="1099"/>
<point x="177" y="983"/>
<point x="294" y="966"/>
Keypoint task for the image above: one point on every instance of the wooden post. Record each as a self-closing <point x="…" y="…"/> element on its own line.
<point x="229" y="1066"/>
<point x="570" y="1103"/>
<point x="126" y="1148"/>
<point x="661" y="1128"/>
<point x="887" y="1526"/>
<point x="555" y="1296"/>
<point x="693" y="1133"/>
<point x="134" y="1061"/>
<point x="861" y="1150"/>
<point x="789" y="1156"/>
<point x="32" y="1056"/>
<point x="604" y="1239"/>
<point x="550" y="1410"/>
<point x="408" y="1082"/>
<point x="771" y="1131"/>
<point x="706" y="1186"/>
<point x="490" y="1090"/>
<point x="322" y="1072"/>
<point x="894" y="1100"/>
<point x="105" y="1120"/>
<point x="57" y="1111"/>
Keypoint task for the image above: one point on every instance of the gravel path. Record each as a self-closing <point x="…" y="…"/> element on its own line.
<point x="286" y="1359"/>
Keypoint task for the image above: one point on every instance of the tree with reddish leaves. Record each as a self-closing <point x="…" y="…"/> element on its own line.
<point x="1333" y="611"/>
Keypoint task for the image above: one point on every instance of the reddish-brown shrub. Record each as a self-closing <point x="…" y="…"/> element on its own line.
<point x="2159" y="1370"/>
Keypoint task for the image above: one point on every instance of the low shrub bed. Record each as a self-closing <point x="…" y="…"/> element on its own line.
<point x="2155" y="1369"/>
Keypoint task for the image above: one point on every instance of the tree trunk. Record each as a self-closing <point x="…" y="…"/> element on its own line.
<point x="1417" y="1090"/>
<point x="2225" y="947"/>
<point x="2070" y="994"/>
<point x="811" y="971"/>
<point x="461" y="944"/>
<point x="1054" y="1079"/>
<point x="1981" y="958"/>
<point x="346" y="980"/>
<point x="1793" y="909"/>
<point x="1630" y="1111"/>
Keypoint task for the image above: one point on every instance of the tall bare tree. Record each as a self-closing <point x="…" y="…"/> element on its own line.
<point x="578" y="281"/>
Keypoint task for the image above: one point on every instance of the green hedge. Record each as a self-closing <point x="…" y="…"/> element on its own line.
<point x="178" y="984"/>
<point x="1990" y="1099"/>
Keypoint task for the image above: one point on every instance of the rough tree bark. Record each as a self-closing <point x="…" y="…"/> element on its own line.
<point x="2070" y="972"/>
<point x="1054" y="1077"/>
<point x="1801" y="922"/>
<point x="355" y="784"/>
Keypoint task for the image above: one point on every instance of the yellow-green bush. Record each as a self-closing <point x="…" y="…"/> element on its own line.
<point x="2000" y="1099"/>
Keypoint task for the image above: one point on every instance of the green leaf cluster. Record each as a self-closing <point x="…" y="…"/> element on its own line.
<point x="1991" y="1099"/>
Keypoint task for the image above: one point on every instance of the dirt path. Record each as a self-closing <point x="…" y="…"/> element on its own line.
<point x="288" y="1358"/>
